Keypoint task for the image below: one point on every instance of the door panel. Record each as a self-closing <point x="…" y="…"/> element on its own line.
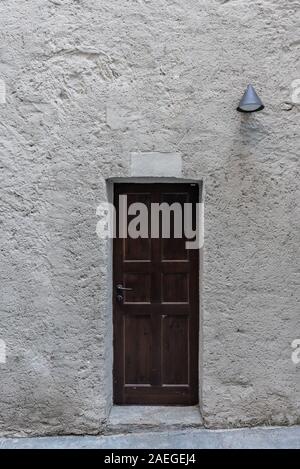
<point x="175" y="287"/>
<point x="156" y="325"/>
<point x="141" y="288"/>
<point x="137" y="349"/>
<point x="175" y="334"/>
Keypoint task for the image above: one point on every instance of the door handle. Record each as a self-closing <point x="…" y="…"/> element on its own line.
<point x="120" y="287"/>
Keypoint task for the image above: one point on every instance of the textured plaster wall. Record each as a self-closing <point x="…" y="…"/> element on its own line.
<point x="90" y="82"/>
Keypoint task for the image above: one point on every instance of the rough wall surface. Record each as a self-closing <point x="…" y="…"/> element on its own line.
<point x="88" y="83"/>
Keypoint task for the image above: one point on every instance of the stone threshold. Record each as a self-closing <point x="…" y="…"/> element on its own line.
<point x="134" y="418"/>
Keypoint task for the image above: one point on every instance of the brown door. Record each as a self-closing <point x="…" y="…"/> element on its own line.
<point x="156" y="320"/>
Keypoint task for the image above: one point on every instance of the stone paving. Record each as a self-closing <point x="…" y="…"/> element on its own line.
<point x="276" y="437"/>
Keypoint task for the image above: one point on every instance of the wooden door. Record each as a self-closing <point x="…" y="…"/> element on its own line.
<point x="156" y="325"/>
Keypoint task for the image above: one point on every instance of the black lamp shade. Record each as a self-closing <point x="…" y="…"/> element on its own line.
<point x="250" y="102"/>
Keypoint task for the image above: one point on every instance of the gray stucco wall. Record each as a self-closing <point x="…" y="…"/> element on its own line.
<point x="89" y="83"/>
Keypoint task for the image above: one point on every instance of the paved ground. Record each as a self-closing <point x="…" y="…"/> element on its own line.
<point x="176" y="439"/>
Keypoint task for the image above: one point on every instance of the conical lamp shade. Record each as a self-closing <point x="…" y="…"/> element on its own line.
<point x="250" y="102"/>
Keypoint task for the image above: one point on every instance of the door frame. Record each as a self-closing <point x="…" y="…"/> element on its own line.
<point x="110" y="183"/>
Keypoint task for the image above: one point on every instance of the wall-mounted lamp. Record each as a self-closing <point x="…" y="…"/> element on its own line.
<point x="250" y="102"/>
